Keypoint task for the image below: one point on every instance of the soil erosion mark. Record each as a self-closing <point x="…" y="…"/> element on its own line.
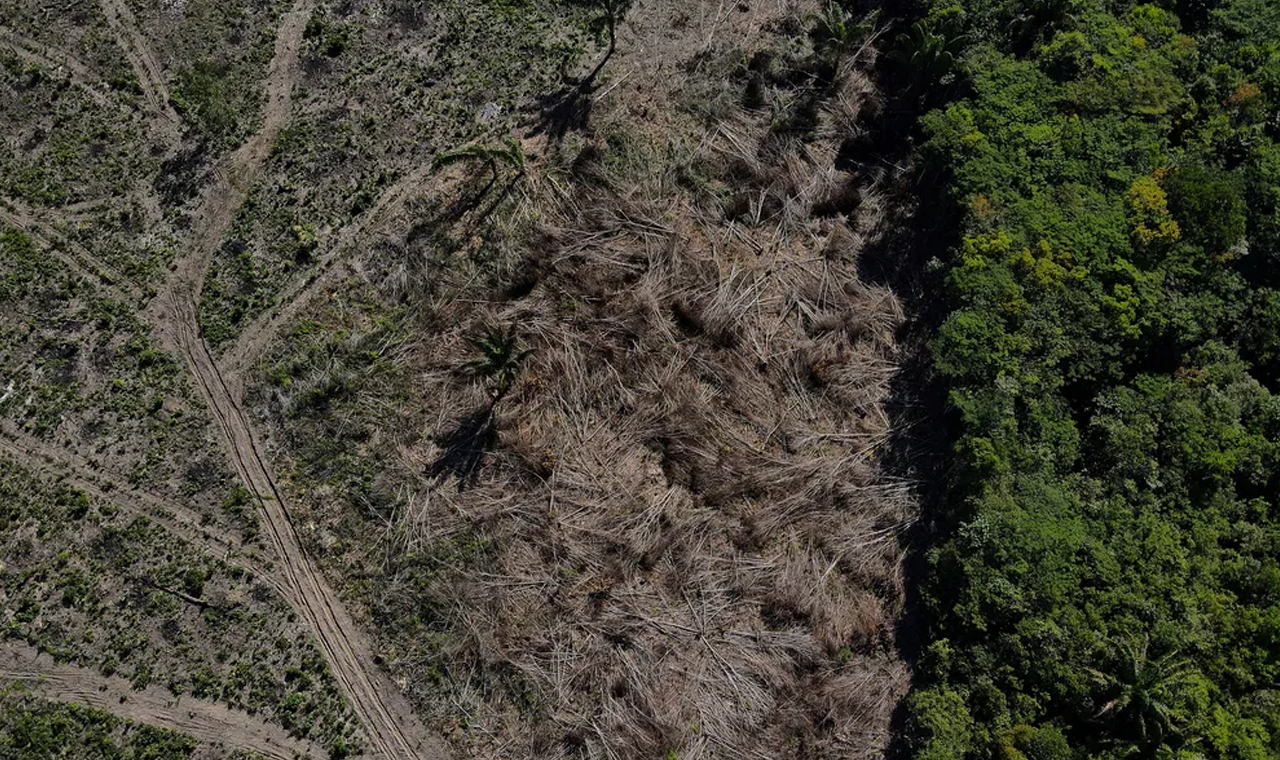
<point x="154" y="705"/>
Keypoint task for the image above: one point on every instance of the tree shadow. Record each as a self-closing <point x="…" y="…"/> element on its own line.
<point x="561" y="111"/>
<point x="920" y="226"/>
<point x="923" y="424"/>
<point x="465" y="448"/>
<point x="448" y="227"/>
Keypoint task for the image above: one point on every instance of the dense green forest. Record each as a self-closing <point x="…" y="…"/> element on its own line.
<point x="1106" y="580"/>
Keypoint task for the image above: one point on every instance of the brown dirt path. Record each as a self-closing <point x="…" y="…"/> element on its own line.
<point x="393" y="730"/>
<point x="37" y="52"/>
<point x="224" y="197"/>
<point x="150" y="76"/>
<point x="207" y="721"/>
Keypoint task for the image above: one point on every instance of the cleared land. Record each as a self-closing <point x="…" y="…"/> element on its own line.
<point x="155" y="706"/>
<point x="567" y="449"/>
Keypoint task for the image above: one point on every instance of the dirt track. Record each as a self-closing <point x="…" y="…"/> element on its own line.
<point x="207" y="721"/>
<point x="393" y="730"/>
<point x="145" y="68"/>
<point x="179" y="520"/>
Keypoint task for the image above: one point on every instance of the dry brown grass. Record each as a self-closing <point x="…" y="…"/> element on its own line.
<point x="689" y="546"/>
<point x="694" y="548"/>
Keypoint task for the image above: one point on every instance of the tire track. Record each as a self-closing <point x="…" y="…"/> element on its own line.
<point x="136" y="50"/>
<point x="37" y="52"/>
<point x="71" y="254"/>
<point x="175" y="518"/>
<point x="390" y="723"/>
<point x="393" y="730"/>
<point x="207" y="721"/>
<point x="253" y="341"/>
<point x="232" y="184"/>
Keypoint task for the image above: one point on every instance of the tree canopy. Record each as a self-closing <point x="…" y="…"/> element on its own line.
<point x="1107" y="579"/>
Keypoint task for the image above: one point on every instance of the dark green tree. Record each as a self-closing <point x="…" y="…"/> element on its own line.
<point x="928" y="51"/>
<point x="611" y="14"/>
<point x="1142" y="695"/>
<point x="1209" y="206"/>
<point x="501" y="359"/>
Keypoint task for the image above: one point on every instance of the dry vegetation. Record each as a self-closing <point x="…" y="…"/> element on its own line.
<point x="654" y="525"/>
<point x="672" y="537"/>
<point x="384" y="86"/>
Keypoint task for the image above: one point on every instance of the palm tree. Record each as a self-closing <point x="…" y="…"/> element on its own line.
<point x="928" y="53"/>
<point x="1040" y="19"/>
<point x="838" y="31"/>
<point x="500" y="360"/>
<point x="1141" y="692"/>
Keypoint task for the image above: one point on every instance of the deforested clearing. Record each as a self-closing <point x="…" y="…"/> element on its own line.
<point x="594" y="435"/>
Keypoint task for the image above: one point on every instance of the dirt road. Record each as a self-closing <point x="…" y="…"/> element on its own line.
<point x="155" y="706"/>
<point x="393" y="730"/>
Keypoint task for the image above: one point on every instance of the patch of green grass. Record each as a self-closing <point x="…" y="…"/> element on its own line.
<point x="63" y="147"/>
<point x="80" y="368"/>
<point x="216" y="55"/>
<point x="206" y="94"/>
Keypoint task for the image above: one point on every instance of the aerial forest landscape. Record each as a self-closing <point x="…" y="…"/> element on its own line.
<point x="639" y="380"/>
